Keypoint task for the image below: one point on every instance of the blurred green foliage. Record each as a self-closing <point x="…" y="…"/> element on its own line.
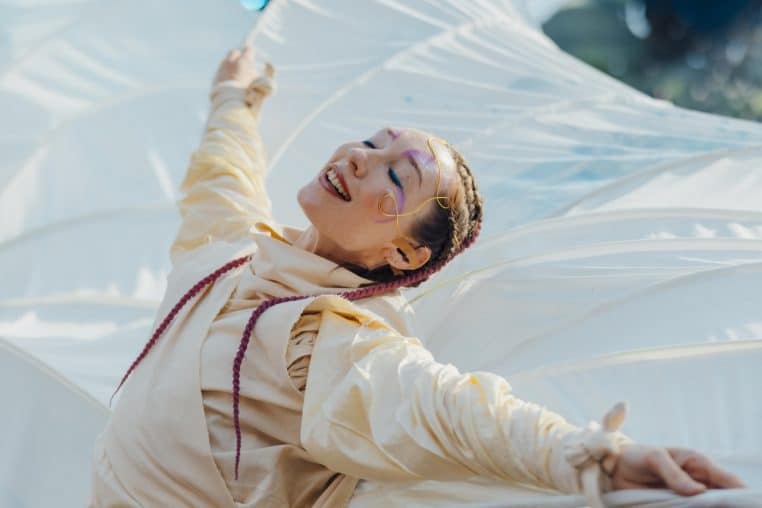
<point x="709" y="60"/>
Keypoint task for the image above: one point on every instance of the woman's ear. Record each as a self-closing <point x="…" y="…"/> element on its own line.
<point x="403" y="256"/>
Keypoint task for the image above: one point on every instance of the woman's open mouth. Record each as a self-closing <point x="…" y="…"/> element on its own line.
<point x="333" y="181"/>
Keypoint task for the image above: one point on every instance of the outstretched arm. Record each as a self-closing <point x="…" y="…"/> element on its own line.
<point x="224" y="188"/>
<point x="378" y="406"/>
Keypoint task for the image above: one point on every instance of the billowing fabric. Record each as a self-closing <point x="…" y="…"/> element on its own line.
<point x="622" y="250"/>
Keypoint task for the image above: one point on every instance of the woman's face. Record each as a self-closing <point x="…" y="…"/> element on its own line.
<point x="362" y="199"/>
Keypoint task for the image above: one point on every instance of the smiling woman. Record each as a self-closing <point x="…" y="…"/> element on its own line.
<point x="334" y="388"/>
<point x="384" y="205"/>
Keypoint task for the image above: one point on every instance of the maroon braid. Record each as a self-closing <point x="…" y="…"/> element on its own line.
<point x="193" y="291"/>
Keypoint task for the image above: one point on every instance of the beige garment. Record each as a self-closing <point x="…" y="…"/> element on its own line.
<point x="272" y="458"/>
<point x="169" y="441"/>
<point x="376" y="404"/>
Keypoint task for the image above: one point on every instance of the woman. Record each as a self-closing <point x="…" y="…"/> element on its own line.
<point x="329" y="389"/>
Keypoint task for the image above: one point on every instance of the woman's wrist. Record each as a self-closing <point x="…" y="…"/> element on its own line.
<point x="226" y="90"/>
<point x="595" y="452"/>
<point x="237" y="77"/>
<point x="251" y="94"/>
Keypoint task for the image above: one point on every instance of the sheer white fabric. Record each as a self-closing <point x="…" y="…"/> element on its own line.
<point x="621" y="257"/>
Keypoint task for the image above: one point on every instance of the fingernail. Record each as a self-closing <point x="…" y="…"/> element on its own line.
<point x="694" y="487"/>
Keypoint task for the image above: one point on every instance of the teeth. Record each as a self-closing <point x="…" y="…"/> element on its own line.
<point x="336" y="184"/>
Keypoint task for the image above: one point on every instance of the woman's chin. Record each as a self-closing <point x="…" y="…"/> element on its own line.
<point x="306" y="198"/>
<point x="311" y="204"/>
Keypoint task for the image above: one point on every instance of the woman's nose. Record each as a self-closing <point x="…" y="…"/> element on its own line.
<point x="358" y="161"/>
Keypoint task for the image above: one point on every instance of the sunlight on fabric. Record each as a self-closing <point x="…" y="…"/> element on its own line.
<point x="29" y="326"/>
<point x="622" y="242"/>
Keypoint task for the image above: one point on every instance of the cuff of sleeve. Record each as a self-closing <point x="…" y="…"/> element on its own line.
<point x="252" y="94"/>
<point x="226" y="90"/>
<point x="594" y="453"/>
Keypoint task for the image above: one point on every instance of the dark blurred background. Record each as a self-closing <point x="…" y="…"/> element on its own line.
<point x="699" y="54"/>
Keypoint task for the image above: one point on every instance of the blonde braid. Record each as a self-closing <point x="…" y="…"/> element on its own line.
<point x="465" y="207"/>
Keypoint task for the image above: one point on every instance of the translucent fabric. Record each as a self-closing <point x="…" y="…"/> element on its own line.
<point x="621" y="257"/>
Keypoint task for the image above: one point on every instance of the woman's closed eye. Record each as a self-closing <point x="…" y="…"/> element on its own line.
<point x="395" y="178"/>
<point x="392" y="174"/>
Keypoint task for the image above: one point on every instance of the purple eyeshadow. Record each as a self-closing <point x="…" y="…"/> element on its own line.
<point x="422" y="158"/>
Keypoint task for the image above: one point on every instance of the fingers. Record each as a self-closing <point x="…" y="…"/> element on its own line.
<point x="248" y="51"/>
<point x="673" y="475"/>
<point x="705" y="470"/>
<point x="239" y="65"/>
<point x="719" y="478"/>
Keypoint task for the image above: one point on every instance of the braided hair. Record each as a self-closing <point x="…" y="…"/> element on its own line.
<point x="446" y="231"/>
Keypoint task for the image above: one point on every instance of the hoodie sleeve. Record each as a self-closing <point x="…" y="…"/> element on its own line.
<point x="224" y="188"/>
<point x="379" y="407"/>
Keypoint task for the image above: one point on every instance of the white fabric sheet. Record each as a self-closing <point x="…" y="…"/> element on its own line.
<point x="621" y="257"/>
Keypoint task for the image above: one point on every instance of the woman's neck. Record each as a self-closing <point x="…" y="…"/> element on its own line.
<point x="312" y="241"/>
<point x="307" y="240"/>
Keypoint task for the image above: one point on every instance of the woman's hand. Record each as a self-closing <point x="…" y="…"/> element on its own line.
<point x="239" y="66"/>
<point x="684" y="471"/>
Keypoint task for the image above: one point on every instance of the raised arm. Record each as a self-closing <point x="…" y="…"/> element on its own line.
<point x="224" y="188"/>
<point x="378" y="406"/>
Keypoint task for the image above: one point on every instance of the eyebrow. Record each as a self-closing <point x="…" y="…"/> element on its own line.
<point x="414" y="156"/>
